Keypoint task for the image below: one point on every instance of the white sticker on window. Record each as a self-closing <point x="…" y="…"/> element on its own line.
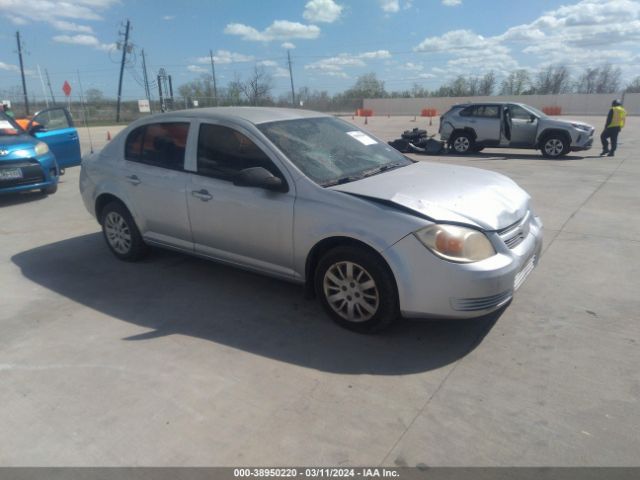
<point x="362" y="137"/>
<point x="4" y="125"/>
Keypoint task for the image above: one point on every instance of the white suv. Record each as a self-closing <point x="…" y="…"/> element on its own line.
<point x="472" y="127"/>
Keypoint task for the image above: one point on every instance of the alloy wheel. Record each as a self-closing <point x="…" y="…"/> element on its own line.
<point x="117" y="233"/>
<point x="351" y="291"/>
<point x="553" y="147"/>
<point x="461" y="144"/>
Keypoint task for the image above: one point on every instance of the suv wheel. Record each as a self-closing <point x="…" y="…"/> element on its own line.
<point x="356" y="289"/>
<point x="554" y="146"/>
<point x="121" y="233"/>
<point x="462" y="143"/>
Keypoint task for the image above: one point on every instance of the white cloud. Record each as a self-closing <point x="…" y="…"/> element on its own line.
<point x="412" y="66"/>
<point x="50" y="10"/>
<point x="427" y="75"/>
<point x="278" y="30"/>
<point x="226" y="57"/>
<point x="267" y="63"/>
<point x="390" y="6"/>
<point x="326" y="11"/>
<point x="9" y="67"/>
<point x="281" y="73"/>
<point x="84" y="40"/>
<point x="335" y="65"/>
<point x="70" y="26"/>
<point x="288" y="46"/>
<point x="376" y="54"/>
<point x="451" y="3"/>
<point x="168" y="18"/>
<point x="197" y="69"/>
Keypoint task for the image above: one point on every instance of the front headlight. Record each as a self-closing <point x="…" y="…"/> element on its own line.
<point x="581" y="127"/>
<point x="41" y="148"/>
<point x="456" y="244"/>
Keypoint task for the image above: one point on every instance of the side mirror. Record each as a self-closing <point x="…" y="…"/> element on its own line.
<point x="532" y="118"/>
<point x="33" y="129"/>
<point x="259" y="177"/>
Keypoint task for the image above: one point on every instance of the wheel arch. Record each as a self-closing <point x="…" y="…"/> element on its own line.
<point x="468" y="130"/>
<point x="553" y="131"/>
<point x="103" y="200"/>
<point x="329" y="243"/>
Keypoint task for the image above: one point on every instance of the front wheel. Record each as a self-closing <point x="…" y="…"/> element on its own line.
<point x="357" y="289"/>
<point x="554" y="146"/>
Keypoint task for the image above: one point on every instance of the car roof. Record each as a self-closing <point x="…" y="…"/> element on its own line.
<point x="489" y="102"/>
<point x="255" y="115"/>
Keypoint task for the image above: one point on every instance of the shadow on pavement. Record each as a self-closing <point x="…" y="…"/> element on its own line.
<point x="9" y="199"/>
<point x="514" y="156"/>
<point x="171" y="293"/>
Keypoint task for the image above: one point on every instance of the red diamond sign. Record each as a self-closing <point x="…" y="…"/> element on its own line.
<point x="66" y="88"/>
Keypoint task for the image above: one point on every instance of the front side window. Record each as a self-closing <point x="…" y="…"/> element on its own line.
<point x="158" y="144"/>
<point x="223" y="152"/>
<point x="54" y="119"/>
<point x="519" y="112"/>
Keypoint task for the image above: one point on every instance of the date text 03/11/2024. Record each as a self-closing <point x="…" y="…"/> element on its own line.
<point x="316" y="472"/>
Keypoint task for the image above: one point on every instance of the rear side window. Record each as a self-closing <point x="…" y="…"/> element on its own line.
<point x="158" y="144"/>
<point x="485" y="111"/>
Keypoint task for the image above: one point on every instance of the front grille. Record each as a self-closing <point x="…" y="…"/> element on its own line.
<point x="524" y="273"/>
<point x="515" y="234"/>
<point x="31" y="173"/>
<point x="481" y="303"/>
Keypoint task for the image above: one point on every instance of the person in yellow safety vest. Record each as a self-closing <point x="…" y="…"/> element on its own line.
<point x="615" y="123"/>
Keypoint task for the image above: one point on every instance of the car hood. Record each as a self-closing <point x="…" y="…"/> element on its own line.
<point x="447" y="193"/>
<point x="554" y="122"/>
<point x="15" y="143"/>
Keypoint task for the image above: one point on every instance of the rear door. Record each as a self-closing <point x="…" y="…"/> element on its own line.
<point x="524" y="127"/>
<point x="54" y="127"/>
<point x="155" y="182"/>
<point x="485" y="121"/>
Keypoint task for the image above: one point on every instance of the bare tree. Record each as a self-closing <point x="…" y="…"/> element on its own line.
<point x="258" y="87"/>
<point x="634" y="86"/>
<point x="553" y="80"/>
<point x="604" y="79"/>
<point x="517" y="83"/>
<point x="487" y="84"/>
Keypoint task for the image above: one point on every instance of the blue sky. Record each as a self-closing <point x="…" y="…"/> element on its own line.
<point x="331" y="42"/>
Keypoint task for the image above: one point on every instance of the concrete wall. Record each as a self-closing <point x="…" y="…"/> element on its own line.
<point x="571" y="104"/>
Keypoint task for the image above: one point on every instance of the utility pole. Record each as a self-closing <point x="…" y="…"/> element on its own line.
<point x="124" y="58"/>
<point x="24" y="84"/>
<point x="146" y="80"/>
<point x="293" y="92"/>
<point x="53" y="99"/>
<point x="213" y="73"/>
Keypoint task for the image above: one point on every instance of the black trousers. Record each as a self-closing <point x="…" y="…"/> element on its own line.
<point x="612" y="133"/>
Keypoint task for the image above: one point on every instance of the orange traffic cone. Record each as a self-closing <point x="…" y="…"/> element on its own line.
<point x="108" y="135"/>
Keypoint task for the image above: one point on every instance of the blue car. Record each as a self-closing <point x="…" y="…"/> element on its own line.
<point x="33" y="158"/>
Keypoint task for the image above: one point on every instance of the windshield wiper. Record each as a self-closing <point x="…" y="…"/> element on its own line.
<point x="341" y="180"/>
<point x="383" y="168"/>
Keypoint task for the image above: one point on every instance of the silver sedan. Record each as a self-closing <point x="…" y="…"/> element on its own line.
<point x="312" y="199"/>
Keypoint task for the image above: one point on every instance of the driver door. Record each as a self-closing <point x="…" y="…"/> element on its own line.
<point x="246" y="226"/>
<point x="54" y="127"/>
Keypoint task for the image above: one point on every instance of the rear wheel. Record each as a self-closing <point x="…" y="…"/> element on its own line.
<point x="356" y="289"/>
<point x="121" y="233"/>
<point x="554" y="146"/>
<point x="462" y="143"/>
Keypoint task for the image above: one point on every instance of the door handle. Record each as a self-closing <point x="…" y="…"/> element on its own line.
<point x="133" y="179"/>
<point x="203" y="195"/>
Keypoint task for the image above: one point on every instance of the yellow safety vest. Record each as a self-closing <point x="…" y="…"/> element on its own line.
<point x="617" y="119"/>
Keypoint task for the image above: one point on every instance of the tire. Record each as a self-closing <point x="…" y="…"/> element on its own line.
<point x="50" y="190"/>
<point x="356" y="289"/>
<point x="121" y="233"/>
<point x="554" y="146"/>
<point x="462" y="143"/>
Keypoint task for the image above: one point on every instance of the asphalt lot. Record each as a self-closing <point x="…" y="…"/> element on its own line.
<point x="179" y="361"/>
